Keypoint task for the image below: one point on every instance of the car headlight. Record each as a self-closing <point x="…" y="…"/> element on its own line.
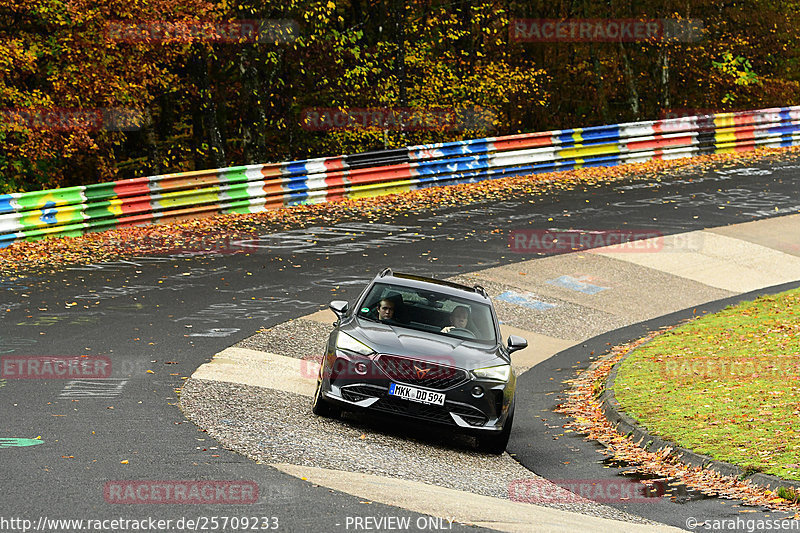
<point x="346" y="342"/>
<point x="497" y="373"/>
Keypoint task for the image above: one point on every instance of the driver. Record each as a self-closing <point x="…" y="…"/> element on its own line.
<point x="386" y="309"/>
<point x="458" y="319"/>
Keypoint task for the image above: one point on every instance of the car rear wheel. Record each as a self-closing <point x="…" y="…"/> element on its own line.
<point x="320" y="407"/>
<point x="496" y="443"/>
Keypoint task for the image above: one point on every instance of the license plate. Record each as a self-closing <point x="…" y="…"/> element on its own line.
<point x="416" y="395"/>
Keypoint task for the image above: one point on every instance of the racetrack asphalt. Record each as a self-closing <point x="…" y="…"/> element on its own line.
<point x="168" y="315"/>
<point x="628" y="295"/>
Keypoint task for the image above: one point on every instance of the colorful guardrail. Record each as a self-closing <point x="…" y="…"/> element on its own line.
<point x="73" y="211"/>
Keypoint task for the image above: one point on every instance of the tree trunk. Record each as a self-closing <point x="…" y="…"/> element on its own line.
<point x="254" y="118"/>
<point x="153" y="166"/>
<point x="400" y="60"/>
<point x="600" y="86"/>
<point x="206" y="112"/>
<point x="664" y="67"/>
<point x="467" y="42"/>
<point x="630" y="79"/>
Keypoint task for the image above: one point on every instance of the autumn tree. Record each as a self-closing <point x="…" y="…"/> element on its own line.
<point x="98" y="91"/>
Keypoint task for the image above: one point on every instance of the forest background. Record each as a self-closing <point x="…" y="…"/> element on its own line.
<point x="95" y="91"/>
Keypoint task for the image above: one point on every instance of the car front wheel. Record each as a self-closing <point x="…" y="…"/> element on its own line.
<point x="496" y="443"/>
<point x="320" y="407"/>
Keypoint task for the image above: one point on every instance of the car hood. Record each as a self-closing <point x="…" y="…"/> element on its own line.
<point x="425" y="346"/>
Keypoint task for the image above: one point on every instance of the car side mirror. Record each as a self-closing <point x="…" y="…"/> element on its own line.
<point x="516" y="343"/>
<point x="339" y="307"/>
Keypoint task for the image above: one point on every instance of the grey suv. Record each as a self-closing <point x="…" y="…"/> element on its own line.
<point x="421" y="348"/>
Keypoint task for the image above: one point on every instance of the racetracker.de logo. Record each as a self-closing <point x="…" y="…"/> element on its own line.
<point x="694" y="369"/>
<point x="181" y="492"/>
<point x="189" y="31"/>
<point x="579" y="490"/>
<point x="189" y="244"/>
<point x="550" y="241"/>
<point x="397" y="118"/>
<point x="55" y="367"/>
<point x="73" y="119"/>
<point x="380" y="369"/>
<point x="604" y="30"/>
<point x="687" y="112"/>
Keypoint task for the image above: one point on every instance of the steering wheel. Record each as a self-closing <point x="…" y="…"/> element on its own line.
<point x="464" y="332"/>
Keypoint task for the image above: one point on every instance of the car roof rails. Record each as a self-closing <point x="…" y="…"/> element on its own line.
<point x="386" y="272"/>
<point x="480" y="290"/>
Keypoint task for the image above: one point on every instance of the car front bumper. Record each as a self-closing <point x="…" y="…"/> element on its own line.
<point x="463" y="408"/>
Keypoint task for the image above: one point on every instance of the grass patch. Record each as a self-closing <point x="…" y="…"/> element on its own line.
<point x="726" y="385"/>
<point x="788" y="494"/>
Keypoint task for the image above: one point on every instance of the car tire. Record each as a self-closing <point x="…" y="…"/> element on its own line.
<point x="320" y="407"/>
<point x="496" y="443"/>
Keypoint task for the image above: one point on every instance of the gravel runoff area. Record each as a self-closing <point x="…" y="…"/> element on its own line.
<point x="272" y="426"/>
<point x="300" y="338"/>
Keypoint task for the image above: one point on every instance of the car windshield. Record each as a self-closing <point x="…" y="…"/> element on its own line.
<point x="429" y="311"/>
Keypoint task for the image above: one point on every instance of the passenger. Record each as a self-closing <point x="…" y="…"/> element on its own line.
<point x="459" y="318"/>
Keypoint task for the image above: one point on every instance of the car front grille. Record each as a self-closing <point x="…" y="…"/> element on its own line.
<point x="472" y="415"/>
<point x="417" y="410"/>
<point x="420" y="373"/>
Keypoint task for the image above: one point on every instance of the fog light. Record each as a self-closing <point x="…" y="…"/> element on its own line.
<point x="339" y="367"/>
<point x="477" y="391"/>
<point x="361" y="368"/>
